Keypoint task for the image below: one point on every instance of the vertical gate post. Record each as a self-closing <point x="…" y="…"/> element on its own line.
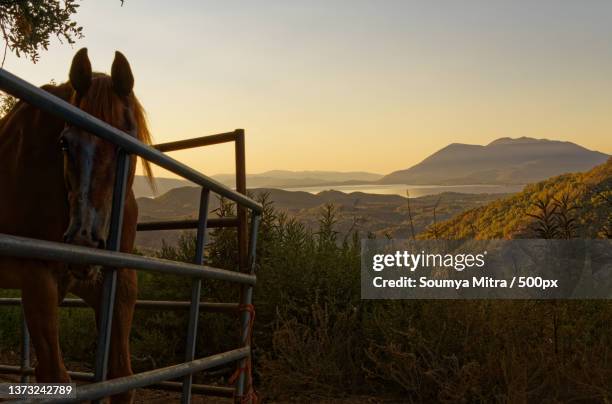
<point x="110" y="275"/>
<point x="196" y="289"/>
<point x="241" y="211"/>
<point x="246" y="301"/>
<point x="25" y="348"/>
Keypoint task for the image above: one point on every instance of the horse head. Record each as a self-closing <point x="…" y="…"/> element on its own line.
<point x="90" y="161"/>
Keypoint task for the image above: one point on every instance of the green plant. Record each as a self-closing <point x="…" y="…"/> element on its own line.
<point x="27" y="26"/>
<point x="7" y="102"/>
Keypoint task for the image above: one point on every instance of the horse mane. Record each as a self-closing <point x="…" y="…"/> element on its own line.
<point x="103" y="103"/>
<point x="63" y="91"/>
<point x="144" y="135"/>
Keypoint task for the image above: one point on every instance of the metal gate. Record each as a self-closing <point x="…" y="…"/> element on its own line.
<point x="111" y="258"/>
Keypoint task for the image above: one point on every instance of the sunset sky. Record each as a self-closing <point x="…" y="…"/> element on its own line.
<point x="353" y="85"/>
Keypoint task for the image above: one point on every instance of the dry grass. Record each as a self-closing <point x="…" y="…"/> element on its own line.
<point x="447" y="352"/>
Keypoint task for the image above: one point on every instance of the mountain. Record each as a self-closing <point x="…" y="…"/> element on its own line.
<point x="268" y="179"/>
<point x="588" y="194"/>
<point x="503" y="161"/>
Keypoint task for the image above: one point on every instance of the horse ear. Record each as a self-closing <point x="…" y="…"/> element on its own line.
<point x="80" y="72"/>
<point x="123" y="80"/>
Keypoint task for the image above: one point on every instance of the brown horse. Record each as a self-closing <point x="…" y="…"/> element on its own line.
<point x="56" y="183"/>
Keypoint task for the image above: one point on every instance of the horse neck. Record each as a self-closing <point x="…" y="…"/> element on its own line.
<point x="17" y="122"/>
<point x="31" y="173"/>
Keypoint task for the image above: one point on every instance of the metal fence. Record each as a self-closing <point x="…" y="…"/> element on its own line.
<point x="111" y="258"/>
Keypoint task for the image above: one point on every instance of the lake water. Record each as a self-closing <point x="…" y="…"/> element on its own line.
<point x="415" y="190"/>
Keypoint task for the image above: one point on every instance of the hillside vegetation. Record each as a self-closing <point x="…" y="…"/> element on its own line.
<point x="583" y="198"/>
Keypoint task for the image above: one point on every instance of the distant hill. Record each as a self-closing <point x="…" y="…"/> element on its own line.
<point x="183" y="202"/>
<point x="296" y="179"/>
<point x="379" y="214"/>
<point x="503" y="161"/>
<point x="590" y="192"/>
<point x="331" y="176"/>
<point x="142" y="188"/>
<point x="268" y="179"/>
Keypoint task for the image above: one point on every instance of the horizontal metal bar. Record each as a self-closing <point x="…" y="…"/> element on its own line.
<point x="197" y="142"/>
<point x="56" y="106"/>
<point x="212" y="307"/>
<point x="122" y="384"/>
<point x="187" y="224"/>
<point x="10" y="369"/>
<point x="23" y="247"/>
<point x="220" y="391"/>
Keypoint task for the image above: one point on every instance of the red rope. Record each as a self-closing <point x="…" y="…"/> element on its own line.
<point x="250" y="397"/>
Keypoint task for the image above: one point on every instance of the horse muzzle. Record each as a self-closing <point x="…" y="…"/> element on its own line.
<point x="84" y="272"/>
<point x="84" y="239"/>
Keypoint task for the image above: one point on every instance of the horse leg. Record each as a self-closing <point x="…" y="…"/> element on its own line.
<point x="119" y="357"/>
<point x="40" y="304"/>
<point x="119" y="363"/>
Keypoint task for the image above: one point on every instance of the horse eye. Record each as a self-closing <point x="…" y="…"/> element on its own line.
<point x="63" y="144"/>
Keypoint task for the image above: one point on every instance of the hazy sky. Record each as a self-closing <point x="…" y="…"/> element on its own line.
<point x="354" y="85"/>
